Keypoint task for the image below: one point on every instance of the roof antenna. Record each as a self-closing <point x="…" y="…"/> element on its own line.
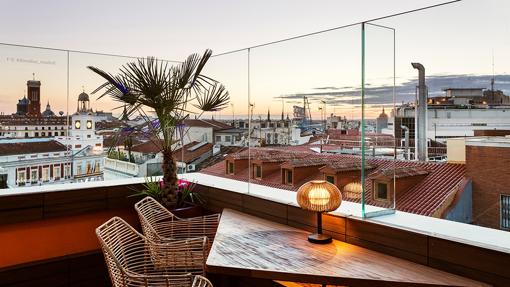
<point x="33" y="75"/>
<point x="493" y="75"/>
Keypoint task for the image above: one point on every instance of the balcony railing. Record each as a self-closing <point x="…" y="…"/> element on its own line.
<point x="57" y="223"/>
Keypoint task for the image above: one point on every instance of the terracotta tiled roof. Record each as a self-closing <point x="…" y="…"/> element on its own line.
<point x="188" y="156"/>
<point x="112" y="140"/>
<point x="350" y="165"/>
<point x="425" y="198"/>
<point x="308" y="161"/>
<point x="30" y="147"/>
<point x="400" y="172"/>
<point x="152" y="146"/>
<point x="216" y="125"/>
<point x="191" y="155"/>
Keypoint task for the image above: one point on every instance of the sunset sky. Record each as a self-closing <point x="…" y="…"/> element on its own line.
<point x="455" y="43"/>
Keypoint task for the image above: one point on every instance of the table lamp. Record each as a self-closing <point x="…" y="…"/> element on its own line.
<point x="319" y="196"/>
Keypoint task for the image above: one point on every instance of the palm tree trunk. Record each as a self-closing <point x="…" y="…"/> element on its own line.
<point x="169" y="167"/>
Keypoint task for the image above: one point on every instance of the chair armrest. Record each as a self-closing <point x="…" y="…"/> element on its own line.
<point x="180" y="256"/>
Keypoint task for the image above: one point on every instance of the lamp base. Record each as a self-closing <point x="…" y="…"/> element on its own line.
<point x="319" y="238"/>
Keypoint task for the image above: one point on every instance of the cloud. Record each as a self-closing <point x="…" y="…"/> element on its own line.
<point x="405" y="92"/>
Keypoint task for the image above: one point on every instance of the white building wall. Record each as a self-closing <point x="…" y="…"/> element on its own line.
<point x="445" y="123"/>
<point x="199" y="134"/>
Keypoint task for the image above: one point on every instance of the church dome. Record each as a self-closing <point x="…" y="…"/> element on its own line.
<point x="83" y="97"/>
<point x="48" y="112"/>
<point x="383" y="114"/>
<point x="23" y="101"/>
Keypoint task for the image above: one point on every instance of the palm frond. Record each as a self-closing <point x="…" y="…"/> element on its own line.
<point x="213" y="99"/>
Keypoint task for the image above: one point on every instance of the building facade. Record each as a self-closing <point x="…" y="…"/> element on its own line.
<point x="29" y="162"/>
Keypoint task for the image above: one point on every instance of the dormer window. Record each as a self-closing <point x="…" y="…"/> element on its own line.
<point x="89" y="125"/>
<point x="257" y="171"/>
<point x="381" y="190"/>
<point x="287" y="176"/>
<point x="329" y="178"/>
<point x="230" y="167"/>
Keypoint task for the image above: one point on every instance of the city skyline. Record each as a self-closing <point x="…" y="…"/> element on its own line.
<point x="445" y="38"/>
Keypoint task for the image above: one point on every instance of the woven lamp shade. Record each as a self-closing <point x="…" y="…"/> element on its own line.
<point x="319" y="196"/>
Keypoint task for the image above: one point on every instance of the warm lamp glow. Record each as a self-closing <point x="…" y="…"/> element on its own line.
<point x="319" y="196"/>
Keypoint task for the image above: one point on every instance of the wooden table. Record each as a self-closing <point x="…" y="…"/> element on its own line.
<point x="249" y="246"/>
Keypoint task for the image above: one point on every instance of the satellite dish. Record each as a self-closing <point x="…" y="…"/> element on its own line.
<point x="61" y="113"/>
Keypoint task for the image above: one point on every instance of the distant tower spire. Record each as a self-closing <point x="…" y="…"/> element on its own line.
<point x="493" y="75"/>
<point x="33" y="76"/>
<point x="268" y="116"/>
<point x="124" y="114"/>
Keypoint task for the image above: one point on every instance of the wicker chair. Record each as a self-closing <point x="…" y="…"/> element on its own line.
<point x="201" y="281"/>
<point x="160" y="225"/>
<point x="131" y="263"/>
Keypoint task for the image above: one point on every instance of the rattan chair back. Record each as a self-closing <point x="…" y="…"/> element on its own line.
<point x="131" y="263"/>
<point x="161" y="225"/>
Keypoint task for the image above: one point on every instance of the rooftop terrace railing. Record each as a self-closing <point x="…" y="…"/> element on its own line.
<point x="66" y="218"/>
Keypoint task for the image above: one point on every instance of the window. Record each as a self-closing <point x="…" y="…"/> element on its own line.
<point x="56" y="172"/>
<point x="34" y="175"/>
<point x="78" y="170"/>
<point x="45" y="174"/>
<point x="22" y="178"/>
<point x="505" y="211"/>
<point x="67" y="171"/>
<point x="230" y="167"/>
<point x="381" y="190"/>
<point x="26" y="135"/>
<point x="257" y="170"/>
<point x="49" y="134"/>
<point x="77" y="146"/>
<point x="42" y="128"/>
<point x="36" y="134"/>
<point x="218" y="138"/>
<point x="288" y="176"/>
<point x="227" y="138"/>
<point x="43" y="134"/>
<point x="89" y="124"/>
<point x="330" y="178"/>
<point x="77" y="125"/>
<point x="89" y="168"/>
<point x="26" y="128"/>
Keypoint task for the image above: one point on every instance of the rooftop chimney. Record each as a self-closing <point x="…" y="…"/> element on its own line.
<point x="421" y="115"/>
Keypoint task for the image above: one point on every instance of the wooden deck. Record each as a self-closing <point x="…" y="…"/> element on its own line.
<point x="249" y="246"/>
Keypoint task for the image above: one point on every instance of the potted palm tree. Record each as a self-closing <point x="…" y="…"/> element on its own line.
<point x="172" y="93"/>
